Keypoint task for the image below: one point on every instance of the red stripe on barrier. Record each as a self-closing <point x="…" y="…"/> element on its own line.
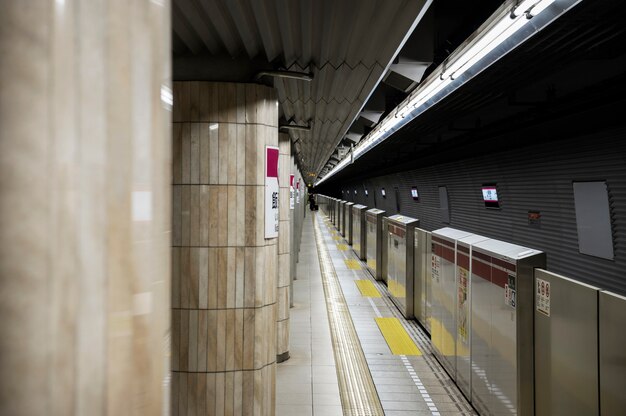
<point x="505" y="264"/>
<point x="499" y="277"/>
<point x="481" y="269"/>
<point x="448" y="254"/>
<point x="462" y="248"/>
<point x="442" y="241"/>
<point x="481" y="256"/>
<point x="462" y="260"/>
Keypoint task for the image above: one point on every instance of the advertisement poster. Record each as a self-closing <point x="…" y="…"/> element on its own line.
<point x="463" y="304"/>
<point x="435" y="264"/>
<point x="542" y="297"/>
<point x="509" y="292"/>
<point x="271" y="192"/>
<point x="292" y="196"/>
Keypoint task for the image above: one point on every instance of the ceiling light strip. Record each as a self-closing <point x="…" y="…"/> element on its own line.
<point x="466" y="62"/>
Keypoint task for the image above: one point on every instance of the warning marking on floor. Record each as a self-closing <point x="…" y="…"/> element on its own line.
<point x="398" y="340"/>
<point x="367" y="289"/>
<point x="342" y="247"/>
<point x="356" y="386"/>
<point x="353" y="264"/>
<point x="336" y="238"/>
<point x="371" y="263"/>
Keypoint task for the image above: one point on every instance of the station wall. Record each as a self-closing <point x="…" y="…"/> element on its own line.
<point x="537" y="179"/>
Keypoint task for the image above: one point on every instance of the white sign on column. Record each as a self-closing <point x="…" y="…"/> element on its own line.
<point x="292" y="196"/>
<point x="298" y="192"/>
<point x="271" y="191"/>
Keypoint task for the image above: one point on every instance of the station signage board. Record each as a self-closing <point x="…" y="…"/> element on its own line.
<point x="414" y="194"/>
<point x="271" y="191"/>
<point x="298" y="191"/>
<point x="292" y="192"/>
<point x="490" y="196"/>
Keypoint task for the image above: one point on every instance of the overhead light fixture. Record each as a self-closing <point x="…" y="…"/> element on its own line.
<point x="502" y="29"/>
<point x="301" y="127"/>
<point x="300" y="76"/>
<point x="213" y="126"/>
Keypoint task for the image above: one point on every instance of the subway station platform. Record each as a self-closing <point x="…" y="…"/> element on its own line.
<point x="351" y="350"/>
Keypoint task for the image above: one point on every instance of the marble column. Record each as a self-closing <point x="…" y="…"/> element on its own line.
<point x="284" y="261"/>
<point x="85" y="200"/>
<point x="292" y="231"/>
<point x="224" y="270"/>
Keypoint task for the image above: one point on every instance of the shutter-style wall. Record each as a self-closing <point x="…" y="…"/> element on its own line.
<point x="537" y="178"/>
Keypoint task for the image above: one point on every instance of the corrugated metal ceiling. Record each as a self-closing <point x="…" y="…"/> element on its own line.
<point x="346" y="45"/>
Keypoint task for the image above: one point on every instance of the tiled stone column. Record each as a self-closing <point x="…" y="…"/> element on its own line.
<point x="284" y="261"/>
<point x="85" y="198"/>
<point x="292" y="232"/>
<point x="224" y="270"/>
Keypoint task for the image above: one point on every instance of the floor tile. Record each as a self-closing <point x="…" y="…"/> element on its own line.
<point x="312" y="377"/>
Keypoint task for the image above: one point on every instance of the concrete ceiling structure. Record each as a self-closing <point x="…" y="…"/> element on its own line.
<point x="347" y="47"/>
<point x="566" y="81"/>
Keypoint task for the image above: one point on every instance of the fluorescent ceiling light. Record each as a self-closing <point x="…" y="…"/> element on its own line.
<point x="213" y="126"/>
<point x="505" y="27"/>
<point x="497" y="34"/>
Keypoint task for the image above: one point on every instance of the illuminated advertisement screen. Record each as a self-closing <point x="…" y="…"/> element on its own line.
<point x="490" y="196"/>
<point x="382" y="191"/>
<point x="414" y="193"/>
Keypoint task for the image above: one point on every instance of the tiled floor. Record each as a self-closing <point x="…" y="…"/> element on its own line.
<point x="307" y="382"/>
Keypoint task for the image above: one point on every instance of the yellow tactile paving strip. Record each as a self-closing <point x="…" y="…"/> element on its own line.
<point x="356" y="387"/>
<point x="342" y="247"/>
<point x="353" y="264"/>
<point x="399" y="341"/>
<point x="367" y="288"/>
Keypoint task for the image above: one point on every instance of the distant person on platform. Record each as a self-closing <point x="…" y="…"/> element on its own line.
<point x="312" y="205"/>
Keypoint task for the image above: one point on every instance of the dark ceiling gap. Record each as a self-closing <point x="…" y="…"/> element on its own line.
<point x="601" y="102"/>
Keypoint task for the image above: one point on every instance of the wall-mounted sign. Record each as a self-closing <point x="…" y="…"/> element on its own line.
<point x="366" y="194"/>
<point x="271" y="191"/>
<point x="414" y="193"/>
<point x="510" y="292"/>
<point x="490" y="196"/>
<point x="292" y="193"/>
<point x="298" y="191"/>
<point x="534" y="218"/>
<point x="355" y="192"/>
<point x="382" y="191"/>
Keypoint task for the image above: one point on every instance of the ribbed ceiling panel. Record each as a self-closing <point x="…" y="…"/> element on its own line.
<point x="346" y="45"/>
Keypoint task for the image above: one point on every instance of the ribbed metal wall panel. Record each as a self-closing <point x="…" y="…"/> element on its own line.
<point x="537" y="178"/>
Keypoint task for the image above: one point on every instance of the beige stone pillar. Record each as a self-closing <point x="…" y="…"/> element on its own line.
<point x="84" y="207"/>
<point x="224" y="270"/>
<point x="283" y="280"/>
